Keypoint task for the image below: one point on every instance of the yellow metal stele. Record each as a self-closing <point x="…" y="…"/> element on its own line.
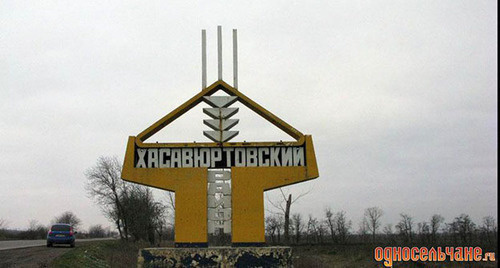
<point x="248" y="183"/>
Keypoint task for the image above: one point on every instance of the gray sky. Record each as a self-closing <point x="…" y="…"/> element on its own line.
<point x="399" y="96"/>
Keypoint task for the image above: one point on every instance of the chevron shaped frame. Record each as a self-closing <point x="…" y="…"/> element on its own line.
<point x="195" y="100"/>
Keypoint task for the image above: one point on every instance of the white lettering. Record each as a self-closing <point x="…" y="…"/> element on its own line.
<point x="275" y="161"/>
<point x="141" y="163"/>
<point x="286" y="156"/>
<point x="239" y="157"/>
<point x="228" y="156"/>
<point x="164" y="153"/>
<point x="298" y="156"/>
<point x="197" y="157"/>
<point x="218" y="157"/>
<point x="215" y="156"/>
<point x="251" y="157"/>
<point x="152" y="158"/>
<point x="176" y="159"/>
<point x="263" y="162"/>
<point x="187" y="157"/>
<point x="205" y="157"/>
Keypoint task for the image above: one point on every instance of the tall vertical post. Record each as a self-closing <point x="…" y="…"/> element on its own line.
<point x="235" y="59"/>
<point x="219" y="50"/>
<point x="203" y="59"/>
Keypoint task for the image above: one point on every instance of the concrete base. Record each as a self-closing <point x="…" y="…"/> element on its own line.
<point x="216" y="257"/>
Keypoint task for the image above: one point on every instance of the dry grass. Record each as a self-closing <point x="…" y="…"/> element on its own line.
<point x="111" y="253"/>
<point x="333" y="256"/>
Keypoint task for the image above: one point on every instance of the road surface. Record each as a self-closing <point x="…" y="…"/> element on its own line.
<point x="13" y="244"/>
<point x="32" y="257"/>
<point x="33" y="253"/>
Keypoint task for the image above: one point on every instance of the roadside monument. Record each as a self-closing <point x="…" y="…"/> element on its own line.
<point x="219" y="185"/>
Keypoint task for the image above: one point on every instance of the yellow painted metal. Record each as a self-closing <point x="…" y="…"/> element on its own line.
<point x="225" y="144"/>
<point x="190" y="187"/>
<point x="248" y="186"/>
<point x="248" y="183"/>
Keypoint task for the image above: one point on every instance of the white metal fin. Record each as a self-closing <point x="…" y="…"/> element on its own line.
<point x="217" y="214"/>
<point x="220" y="101"/>
<point x="220" y="113"/>
<point x="214" y="175"/>
<point x="225" y="201"/>
<point x="227" y="135"/>
<point x="213" y="225"/>
<point x="215" y="135"/>
<point x="225" y="123"/>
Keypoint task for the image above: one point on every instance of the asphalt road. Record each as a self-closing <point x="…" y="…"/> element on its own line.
<point x="14" y="244"/>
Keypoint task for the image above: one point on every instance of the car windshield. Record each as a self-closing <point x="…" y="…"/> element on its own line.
<point x="61" y="228"/>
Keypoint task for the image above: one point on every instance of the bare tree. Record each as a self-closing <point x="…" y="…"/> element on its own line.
<point x="283" y="205"/>
<point x="338" y="225"/>
<point x="388" y="229"/>
<point x="489" y="224"/>
<point x="423" y="228"/>
<point x="286" y="223"/>
<point x="372" y="216"/>
<point x="170" y="212"/>
<point x="69" y="218"/>
<point x="405" y="227"/>
<point x="462" y="228"/>
<point x="105" y="186"/>
<point x="489" y="228"/>
<point x="170" y="202"/>
<point x="142" y="213"/>
<point x="130" y="206"/>
<point x="159" y="220"/>
<point x="363" y="228"/>
<point x="312" y="229"/>
<point x="321" y="231"/>
<point x="423" y="231"/>
<point x="279" y="227"/>
<point x="271" y="226"/>
<point x="330" y="222"/>
<point x="33" y="224"/>
<point x="96" y="231"/>
<point x="298" y="226"/>
<point x="435" y="224"/>
<point x="35" y="231"/>
<point x="342" y="226"/>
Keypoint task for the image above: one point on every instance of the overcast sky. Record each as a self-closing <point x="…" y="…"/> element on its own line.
<point x="399" y="96"/>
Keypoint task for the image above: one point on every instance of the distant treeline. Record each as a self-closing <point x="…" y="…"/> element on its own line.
<point x="336" y="228"/>
<point x="37" y="230"/>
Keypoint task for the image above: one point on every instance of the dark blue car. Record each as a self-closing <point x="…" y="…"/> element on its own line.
<point x="61" y="233"/>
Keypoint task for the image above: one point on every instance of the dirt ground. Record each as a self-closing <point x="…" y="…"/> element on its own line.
<point x="31" y="257"/>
